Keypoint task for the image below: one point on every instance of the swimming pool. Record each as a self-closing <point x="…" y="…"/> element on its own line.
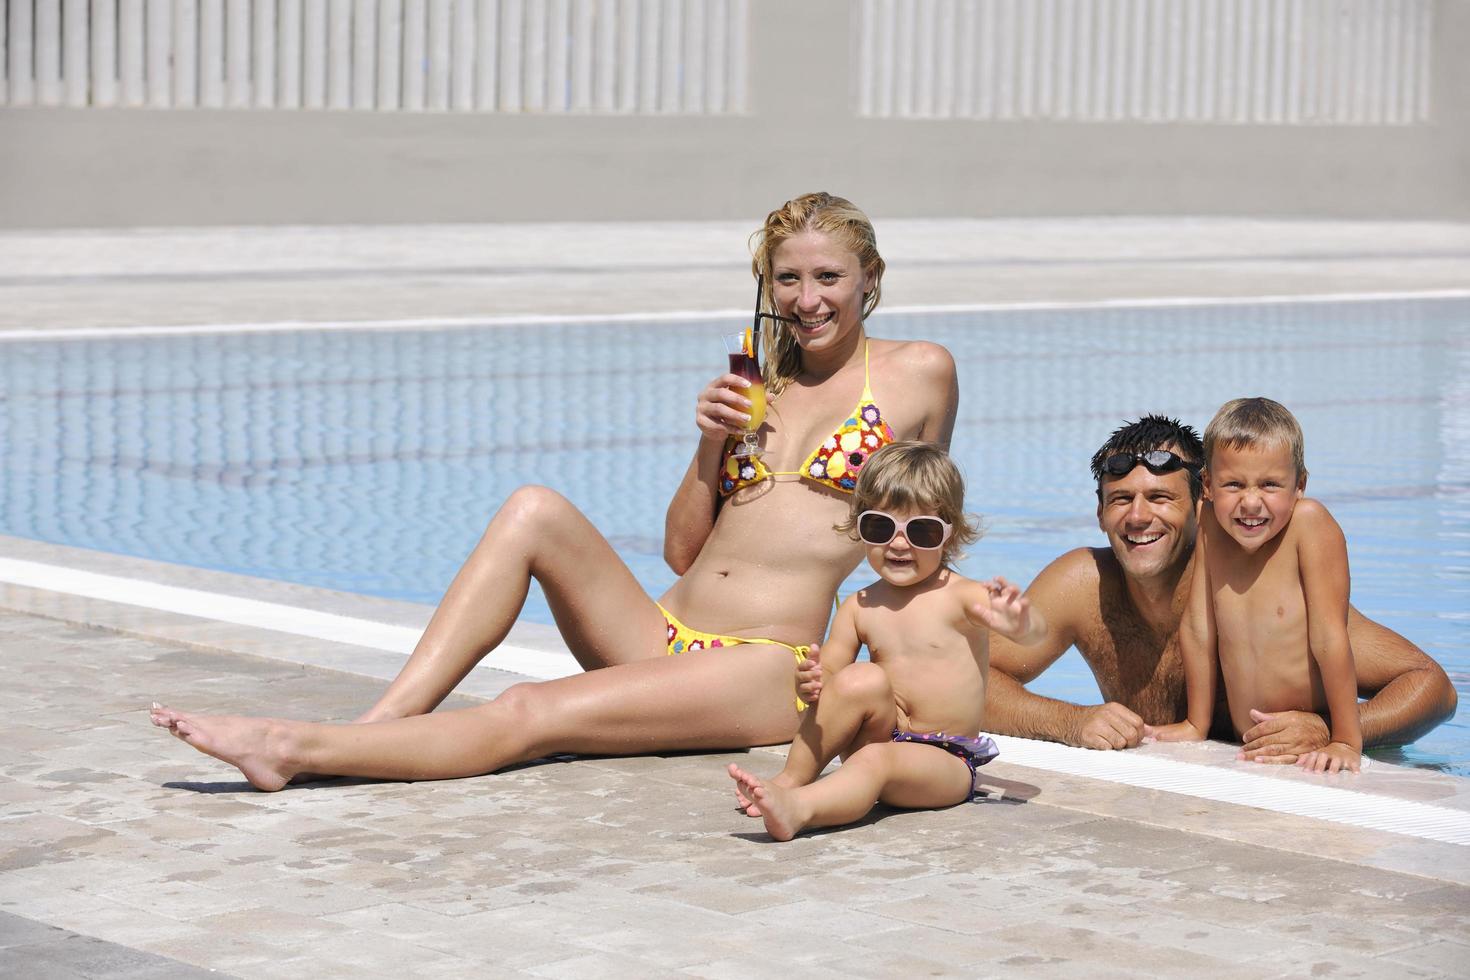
<point x="368" y="461"/>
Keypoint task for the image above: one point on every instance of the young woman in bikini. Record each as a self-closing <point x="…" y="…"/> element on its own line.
<point x="710" y="665"/>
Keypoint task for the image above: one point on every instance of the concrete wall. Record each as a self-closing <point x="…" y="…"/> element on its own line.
<point x="123" y="167"/>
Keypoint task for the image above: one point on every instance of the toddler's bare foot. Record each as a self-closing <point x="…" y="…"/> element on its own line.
<point x="772" y="803"/>
<point x="258" y="747"/>
<point x="747" y="805"/>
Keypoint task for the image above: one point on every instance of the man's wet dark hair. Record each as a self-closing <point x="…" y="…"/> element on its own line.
<point x="1154" y="432"/>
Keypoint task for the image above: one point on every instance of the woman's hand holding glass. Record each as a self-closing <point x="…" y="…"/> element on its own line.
<point x="743" y="365"/>
<point x="725" y="408"/>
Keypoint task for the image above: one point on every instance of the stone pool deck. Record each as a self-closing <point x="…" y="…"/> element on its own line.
<point x="125" y="853"/>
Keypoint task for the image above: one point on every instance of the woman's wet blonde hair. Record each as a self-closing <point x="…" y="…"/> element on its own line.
<point x="917" y="477"/>
<point x="850" y="229"/>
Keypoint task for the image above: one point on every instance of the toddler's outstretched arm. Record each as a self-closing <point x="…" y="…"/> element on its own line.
<point x="1000" y="606"/>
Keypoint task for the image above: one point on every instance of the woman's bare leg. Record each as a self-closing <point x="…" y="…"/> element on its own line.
<point x="906" y="775"/>
<point x="602" y="611"/>
<point x="721" y="699"/>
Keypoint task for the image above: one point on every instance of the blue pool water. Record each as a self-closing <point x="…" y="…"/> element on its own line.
<point x="369" y="461"/>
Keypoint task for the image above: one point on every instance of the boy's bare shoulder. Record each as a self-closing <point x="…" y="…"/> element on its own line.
<point x="1313" y="520"/>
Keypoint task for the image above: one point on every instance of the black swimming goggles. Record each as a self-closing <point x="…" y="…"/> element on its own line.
<point x="926" y="533"/>
<point x="1158" y="461"/>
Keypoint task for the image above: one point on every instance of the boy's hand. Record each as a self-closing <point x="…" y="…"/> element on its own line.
<point x="809" y="676"/>
<point x="1335" y="757"/>
<point x="1180" y="731"/>
<point x="1004" y="609"/>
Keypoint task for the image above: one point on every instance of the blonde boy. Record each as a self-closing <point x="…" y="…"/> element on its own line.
<point x="1270" y="591"/>
<point x="907" y="724"/>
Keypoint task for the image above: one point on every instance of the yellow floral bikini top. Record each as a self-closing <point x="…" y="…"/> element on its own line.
<point x="835" y="463"/>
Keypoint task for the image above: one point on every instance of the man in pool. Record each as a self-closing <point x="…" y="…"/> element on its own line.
<point x="1121" y="606"/>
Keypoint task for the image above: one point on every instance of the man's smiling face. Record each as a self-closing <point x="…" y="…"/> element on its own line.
<point x="1149" y="520"/>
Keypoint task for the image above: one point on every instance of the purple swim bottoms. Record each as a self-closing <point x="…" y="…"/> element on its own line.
<point x="974" y="751"/>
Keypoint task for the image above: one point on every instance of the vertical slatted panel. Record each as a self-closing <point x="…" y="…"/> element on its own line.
<point x="924" y="49"/>
<point x="186" y="53"/>
<point x="1425" y="28"/>
<point x="104" y="52"/>
<point x="583" y="54"/>
<point x="1342" y="75"/>
<point x="339" y="54"/>
<point x="159" y="52"/>
<point x="75" y="76"/>
<point x="947" y="68"/>
<point x="1168" y="98"/>
<point x="364" y="54"/>
<point x="263" y="55"/>
<point x="1138" y="59"/>
<point x="1241" y="61"/>
<point x="647" y="55"/>
<point x="884" y="71"/>
<point x="533" y="44"/>
<point x="1233" y="61"/>
<point x="986" y="68"/>
<point x="629" y="31"/>
<point x="668" y="60"/>
<point x="388" y="58"/>
<point x="487" y="57"/>
<point x="130" y="52"/>
<point x="1094" y="105"/>
<point x="415" y="38"/>
<point x="1328" y="59"/>
<point x="314" y="54"/>
<point x="511" y="30"/>
<point x="5" y="54"/>
<point x="1393" y="40"/>
<point x="965" y="26"/>
<point x="1295" y="57"/>
<point x="558" y="56"/>
<point x="237" y="54"/>
<point x="717" y="64"/>
<point x="288" y="54"/>
<point x="47" y="20"/>
<point x="1065" y="41"/>
<point x="440" y="54"/>
<point x="693" y="56"/>
<point x="904" y="44"/>
<point x="739" y="72"/>
<point x="605" y="84"/>
<point x="462" y="70"/>
<point x="211" y="53"/>
<point x="1261" y="53"/>
<point x="1025" y="70"/>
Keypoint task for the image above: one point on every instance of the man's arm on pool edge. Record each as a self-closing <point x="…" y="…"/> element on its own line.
<point x="1010" y="709"/>
<point x="1409" y="694"/>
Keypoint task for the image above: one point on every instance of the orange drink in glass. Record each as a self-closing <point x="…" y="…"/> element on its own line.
<point x="743" y="362"/>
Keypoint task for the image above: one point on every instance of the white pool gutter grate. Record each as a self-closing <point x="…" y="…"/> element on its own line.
<point x="1353" y="807"/>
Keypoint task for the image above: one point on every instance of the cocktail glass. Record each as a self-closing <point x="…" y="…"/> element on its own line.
<point x="744" y="362"/>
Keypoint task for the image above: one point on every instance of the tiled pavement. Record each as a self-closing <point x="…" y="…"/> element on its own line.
<point x="152" y="859"/>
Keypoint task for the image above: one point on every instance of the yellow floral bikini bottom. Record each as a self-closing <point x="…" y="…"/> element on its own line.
<point x="682" y="639"/>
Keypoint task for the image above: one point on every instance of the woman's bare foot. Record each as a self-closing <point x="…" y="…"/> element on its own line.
<point x="773" y="804"/>
<point x="258" y="747"/>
